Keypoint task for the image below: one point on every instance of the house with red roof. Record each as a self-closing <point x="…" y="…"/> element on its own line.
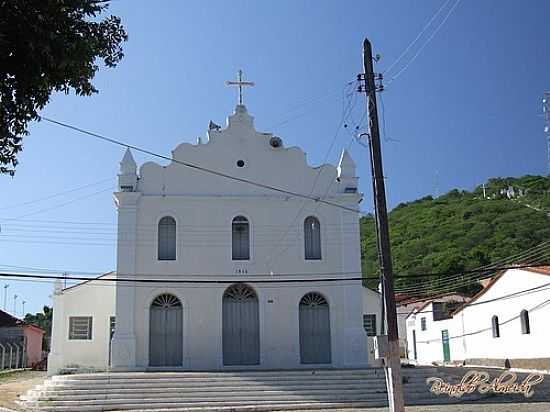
<point x="15" y="331"/>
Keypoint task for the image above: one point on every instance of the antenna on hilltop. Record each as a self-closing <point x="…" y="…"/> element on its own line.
<point x="546" y="114"/>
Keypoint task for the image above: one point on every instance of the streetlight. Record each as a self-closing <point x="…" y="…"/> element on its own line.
<point x="15" y="305"/>
<point x="23" y="311"/>
<point x="6" y="286"/>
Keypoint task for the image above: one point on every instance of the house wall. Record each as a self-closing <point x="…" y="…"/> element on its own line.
<point x="96" y="299"/>
<point x="512" y="344"/>
<point x="33" y="337"/>
<point x="371" y="305"/>
<point x="470" y="329"/>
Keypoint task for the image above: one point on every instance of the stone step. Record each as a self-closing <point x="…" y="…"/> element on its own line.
<point x="266" y="407"/>
<point x="54" y="391"/>
<point x="230" y="380"/>
<point x="244" y="395"/>
<point x="242" y="374"/>
<point x="129" y="404"/>
<point x="219" y="383"/>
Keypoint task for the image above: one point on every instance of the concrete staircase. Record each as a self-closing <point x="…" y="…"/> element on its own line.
<point x="226" y="391"/>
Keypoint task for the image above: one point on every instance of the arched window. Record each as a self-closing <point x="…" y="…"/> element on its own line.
<point x="312" y="238"/>
<point x="524" y="319"/>
<point x="495" y="327"/>
<point x="240" y="238"/>
<point x="167" y="238"/>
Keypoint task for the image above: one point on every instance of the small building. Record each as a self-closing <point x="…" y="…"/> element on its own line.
<point x="25" y="335"/>
<point x="408" y="304"/>
<point x="503" y="325"/>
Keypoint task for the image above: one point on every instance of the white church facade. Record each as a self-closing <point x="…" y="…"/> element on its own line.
<point x="216" y="273"/>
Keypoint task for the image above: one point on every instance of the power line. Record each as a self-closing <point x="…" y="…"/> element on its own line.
<point x="59" y="205"/>
<point x="200" y="168"/>
<point x="530" y="257"/>
<point x="55" y="195"/>
<point x="543" y="287"/>
<point x="425" y="43"/>
<point x="207" y="281"/>
<point x="411" y="44"/>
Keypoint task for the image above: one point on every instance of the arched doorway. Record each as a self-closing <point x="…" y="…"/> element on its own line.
<point x="314" y="329"/>
<point x="165" y="331"/>
<point x="241" y="326"/>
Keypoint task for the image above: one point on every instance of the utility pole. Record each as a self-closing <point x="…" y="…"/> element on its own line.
<point x="6" y="286"/>
<point x="392" y="363"/>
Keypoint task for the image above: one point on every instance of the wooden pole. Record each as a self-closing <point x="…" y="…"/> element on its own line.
<point x="392" y="365"/>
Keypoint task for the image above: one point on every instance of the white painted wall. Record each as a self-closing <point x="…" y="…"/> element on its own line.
<point x="96" y="299"/>
<point x="470" y="329"/>
<point x="371" y="305"/>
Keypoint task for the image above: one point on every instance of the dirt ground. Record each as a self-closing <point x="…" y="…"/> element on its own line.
<point x="13" y="385"/>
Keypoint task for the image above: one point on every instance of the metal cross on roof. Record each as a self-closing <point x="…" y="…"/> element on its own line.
<point x="240" y="84"/>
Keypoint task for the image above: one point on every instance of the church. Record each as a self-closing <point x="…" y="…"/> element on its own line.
<point x="223" y="271"/>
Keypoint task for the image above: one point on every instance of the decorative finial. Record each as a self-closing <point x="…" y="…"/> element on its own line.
<point x="240" y="84"/>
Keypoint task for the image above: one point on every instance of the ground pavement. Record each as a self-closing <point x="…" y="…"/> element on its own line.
<point x="13" y="385"/>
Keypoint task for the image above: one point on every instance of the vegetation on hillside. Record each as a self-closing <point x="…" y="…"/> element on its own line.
<point x="462" y="230"/>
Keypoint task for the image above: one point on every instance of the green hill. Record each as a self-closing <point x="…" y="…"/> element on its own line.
<point x="462" y="230"/>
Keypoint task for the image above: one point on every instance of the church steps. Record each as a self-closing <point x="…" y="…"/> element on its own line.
<point x="223" y="391"/>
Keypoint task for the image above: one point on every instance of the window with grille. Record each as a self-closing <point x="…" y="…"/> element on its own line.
<point x="80" y="328"/>
<point x="312" y="238"/>
<point x="167" y="238"/>
<point x="240" y="240"/>
<point x="369" y="323"/>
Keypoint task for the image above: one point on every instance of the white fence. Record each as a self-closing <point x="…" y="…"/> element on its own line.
<point x="12" y="355"/>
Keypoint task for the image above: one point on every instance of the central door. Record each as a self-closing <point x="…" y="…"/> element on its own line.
<point x="165" y="331"/>
<point x="314" y="329"/>
<point x="240" y="326"/>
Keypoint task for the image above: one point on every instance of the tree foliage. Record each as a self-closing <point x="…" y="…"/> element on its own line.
<point x="47" y="46"/>
<point x="462" y="230"/>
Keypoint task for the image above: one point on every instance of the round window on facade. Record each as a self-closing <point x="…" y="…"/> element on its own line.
<point x="240" y="163"/>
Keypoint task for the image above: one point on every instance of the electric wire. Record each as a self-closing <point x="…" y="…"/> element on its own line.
<point x="467" y="279"/>
<point x="52" y="196"/>
<point x="413" y="58"/>
<point x="411" y="44"/>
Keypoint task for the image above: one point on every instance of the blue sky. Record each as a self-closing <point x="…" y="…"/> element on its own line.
<point x="468" y="108"/>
